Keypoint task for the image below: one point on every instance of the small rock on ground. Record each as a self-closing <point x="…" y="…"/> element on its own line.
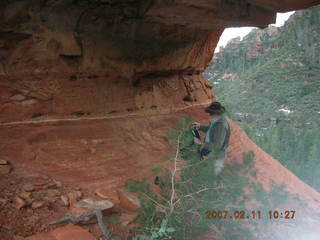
<point x="19" y="203"/>
<point x="38" y="204"/>
<point x="74" y="196"/>
<point x="65" y="200"/>
<point x="25" y="195"/>
<point x="3" y="162"/>
<point x="28" y="187"/>
<point x="5" y="169"/>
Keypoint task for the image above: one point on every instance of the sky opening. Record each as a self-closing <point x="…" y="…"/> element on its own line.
<point x="230" y="33"/>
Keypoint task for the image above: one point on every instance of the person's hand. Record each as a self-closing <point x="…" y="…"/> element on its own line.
<point x="197" y="141"/>
<point x="204" y="152"/>
<point x="196" y="125"/>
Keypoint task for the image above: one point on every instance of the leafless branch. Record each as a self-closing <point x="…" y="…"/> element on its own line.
<point x="155" y="202"/>
<point x="197" y="192"/>
<point x="174" y="173"/>
<point x="192" y="165"/>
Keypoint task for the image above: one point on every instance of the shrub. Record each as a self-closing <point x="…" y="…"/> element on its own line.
<point x="185" y="200"/>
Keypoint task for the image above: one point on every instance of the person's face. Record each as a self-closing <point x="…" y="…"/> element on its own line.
<point x="214" y="115"/>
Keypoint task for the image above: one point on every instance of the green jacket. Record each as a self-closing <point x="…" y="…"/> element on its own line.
<point x="218" y="133"/>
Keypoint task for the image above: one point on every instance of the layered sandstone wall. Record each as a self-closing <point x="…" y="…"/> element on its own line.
<point x="62" y="59"/>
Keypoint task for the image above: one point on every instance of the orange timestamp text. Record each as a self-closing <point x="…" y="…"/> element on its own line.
<point x="245" y="214"/>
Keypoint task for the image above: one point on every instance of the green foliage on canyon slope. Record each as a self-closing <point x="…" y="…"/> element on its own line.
<point x="270" y="81"/>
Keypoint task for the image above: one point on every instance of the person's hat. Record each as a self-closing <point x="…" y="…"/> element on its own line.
<point x="215" y="108"/>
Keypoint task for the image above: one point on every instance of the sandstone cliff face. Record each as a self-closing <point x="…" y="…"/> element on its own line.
<point x="50" y="51"/>
<point x="57" y="55"/>
<point x="89" y="87"/>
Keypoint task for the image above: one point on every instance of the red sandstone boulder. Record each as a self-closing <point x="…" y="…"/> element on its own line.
<point x="69" y="232"/>
<point x="128" y="200"/>
<point x="41" y="236"/>
<point x="108" y="194"/>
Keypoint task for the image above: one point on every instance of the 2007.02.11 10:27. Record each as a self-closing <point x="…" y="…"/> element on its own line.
<point x="255" y="214"/>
